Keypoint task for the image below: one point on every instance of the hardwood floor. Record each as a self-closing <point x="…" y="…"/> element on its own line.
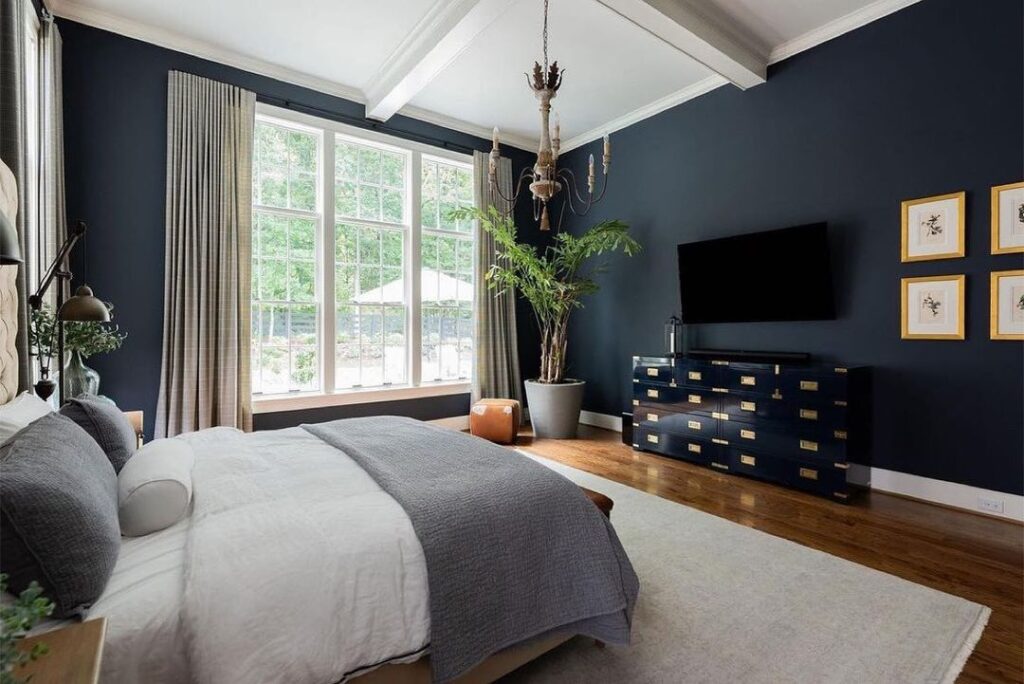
<point x="976" y="557"/>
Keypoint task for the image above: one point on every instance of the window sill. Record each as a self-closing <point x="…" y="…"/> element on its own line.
<point x="275" y="403"/>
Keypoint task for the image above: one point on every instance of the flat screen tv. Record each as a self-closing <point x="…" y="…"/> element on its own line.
<point x="776" y="275"/>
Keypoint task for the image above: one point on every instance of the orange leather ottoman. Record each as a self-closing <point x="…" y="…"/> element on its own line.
<point x="603" y="503"/>
<point x="495" y="419"/>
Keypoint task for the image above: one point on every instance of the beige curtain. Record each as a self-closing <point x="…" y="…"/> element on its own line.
<point x="53" y="223"/>
<point x="497" y="350"/>
<point x="204" y="379"/>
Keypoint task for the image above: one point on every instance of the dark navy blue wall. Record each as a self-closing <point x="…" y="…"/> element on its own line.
<point x="923" y="102"/>
<point x="115" y="127"/>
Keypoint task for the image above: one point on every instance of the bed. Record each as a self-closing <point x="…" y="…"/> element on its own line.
<point x="301" y="561"/>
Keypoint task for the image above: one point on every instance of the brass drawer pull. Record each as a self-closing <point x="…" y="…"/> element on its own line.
<point x="695" y="448"/>
<point x="748" y="406"/>
<point x="841" y="371"/>
<point x="653" y="439"/>
<point x="809" y="385"/>
<point x="653" y="417"/>
<point x="748" y="460"/>
<point x="721" y="390"/>
<point x="653" y="372"/>
<point x="693" y="375"/>
<point x="719" y="416"/>
<point x="720" y="466"/>
<point x="842" y="466"/>
<point x="719" y="363"/>
<point x="693" y="424"/>
<point x="748" y="434"/>
<point x="723" y="442"/>
<point x="809" y="473"/>
<point x="808" y="445"/>
<point x="693" y="398"/>
<point x="652" y="393"/>
<point x="636" y="402"/>
<point x="840" y="434"/>
<point x="748" y="380"/>
<point x="808" y="414"/>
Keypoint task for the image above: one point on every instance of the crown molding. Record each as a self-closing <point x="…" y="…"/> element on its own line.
<point x="671" y="100"/>
<point x="834" y="29"/>
<point x="427" y="116"/>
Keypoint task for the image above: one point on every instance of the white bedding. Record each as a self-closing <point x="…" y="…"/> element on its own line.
<point x="307" y="571"/>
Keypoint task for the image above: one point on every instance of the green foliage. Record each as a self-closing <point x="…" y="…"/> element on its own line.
<point x="85" y="337"/>
<point x="16" y="619"/>
<point x="553" y="282"/>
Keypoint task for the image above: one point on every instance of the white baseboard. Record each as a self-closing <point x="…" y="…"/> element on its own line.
<point x="942" y="492"/>
<point x="601" y="420"/>
<point x="455" y="422"/>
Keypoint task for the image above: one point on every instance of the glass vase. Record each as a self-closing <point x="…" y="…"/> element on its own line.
<point x="79" y="378"/>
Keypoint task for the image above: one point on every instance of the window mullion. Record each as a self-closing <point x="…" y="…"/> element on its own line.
<point x="327" y="259"/>
<point x="412" y="270"/>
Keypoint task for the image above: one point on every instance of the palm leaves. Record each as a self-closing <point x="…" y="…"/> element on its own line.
<point x="553" y="281"/>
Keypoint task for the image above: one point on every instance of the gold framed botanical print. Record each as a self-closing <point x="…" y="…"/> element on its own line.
<point x="933" y="227"/>
<point x="1007" y="302"/>
<point x="932" y="308"/>
<point x="1008" y="218"/>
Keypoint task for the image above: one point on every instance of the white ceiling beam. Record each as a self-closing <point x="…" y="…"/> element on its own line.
<point x="448" y="28"/>
<point x="694" y="33"/>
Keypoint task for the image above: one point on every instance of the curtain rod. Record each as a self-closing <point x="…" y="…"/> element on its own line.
<point x="363" y="123"/>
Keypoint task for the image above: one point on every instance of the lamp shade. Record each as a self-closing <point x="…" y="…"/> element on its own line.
<point x="10" y="250"/>
<point x="84" y="307"/>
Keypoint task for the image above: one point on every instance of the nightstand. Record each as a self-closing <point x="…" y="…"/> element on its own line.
<point x="136" y="418"/>
<point x="74" y="657"/>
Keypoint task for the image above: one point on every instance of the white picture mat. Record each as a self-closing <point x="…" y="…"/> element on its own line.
<point x="1011" y="230"/>
<point x="1010" y="320"/>
<point x="922" y="320"/>
<point x="919" y="243"/>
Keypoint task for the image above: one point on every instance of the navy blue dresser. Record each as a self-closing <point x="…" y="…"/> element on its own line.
<point x="797" y="425"/>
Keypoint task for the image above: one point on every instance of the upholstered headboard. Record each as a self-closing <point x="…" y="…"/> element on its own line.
<point x="8" y="297"/>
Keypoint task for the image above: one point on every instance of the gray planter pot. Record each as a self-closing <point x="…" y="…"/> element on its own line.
<point x="555" y="409"/>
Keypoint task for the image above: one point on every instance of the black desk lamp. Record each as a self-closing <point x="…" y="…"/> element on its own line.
<point x="10" y="250"/>
<point x="82" y="307"/>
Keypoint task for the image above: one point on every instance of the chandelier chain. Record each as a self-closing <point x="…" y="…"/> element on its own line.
<point x="545" y="36"/>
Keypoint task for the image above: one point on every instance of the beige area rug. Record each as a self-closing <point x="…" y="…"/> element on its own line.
<point x="720" y="602"/>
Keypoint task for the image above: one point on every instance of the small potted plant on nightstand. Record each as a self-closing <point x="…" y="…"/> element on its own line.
<point x="81" y="340"/>
<point x="554" y="282"/>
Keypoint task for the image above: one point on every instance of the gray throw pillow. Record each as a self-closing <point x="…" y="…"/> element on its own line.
<point x="58" y="514"/>
<point x="106" y="424"/>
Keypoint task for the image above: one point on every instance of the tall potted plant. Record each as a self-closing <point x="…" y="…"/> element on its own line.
<point x="554" y="282"/>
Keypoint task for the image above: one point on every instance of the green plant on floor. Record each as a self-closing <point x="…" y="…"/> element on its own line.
<point x="16" y="619"/>
<point x="553" y="281"/>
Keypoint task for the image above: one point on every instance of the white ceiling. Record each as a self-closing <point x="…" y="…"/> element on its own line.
<point x="616" y="72"/>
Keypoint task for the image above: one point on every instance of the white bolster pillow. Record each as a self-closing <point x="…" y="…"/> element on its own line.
<point x="154" y="488"/>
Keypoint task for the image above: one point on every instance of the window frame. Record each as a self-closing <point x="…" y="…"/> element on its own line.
<point x="327" y="394"/>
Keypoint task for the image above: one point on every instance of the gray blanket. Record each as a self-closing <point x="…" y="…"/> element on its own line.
<point x="513" y="550"/>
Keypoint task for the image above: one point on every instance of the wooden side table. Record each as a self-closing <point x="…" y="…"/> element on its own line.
<point x="74" y="657"/>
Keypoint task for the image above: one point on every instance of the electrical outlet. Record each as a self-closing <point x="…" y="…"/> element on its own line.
<point x="990" y="505"/>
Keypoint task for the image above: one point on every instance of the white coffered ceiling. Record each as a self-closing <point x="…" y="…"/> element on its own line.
<point x="460" y="63"/>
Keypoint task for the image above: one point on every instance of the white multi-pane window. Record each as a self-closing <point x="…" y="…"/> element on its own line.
<point x="361" y="280"/>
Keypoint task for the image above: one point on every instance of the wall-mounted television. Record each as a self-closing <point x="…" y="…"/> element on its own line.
<point x="776" y="275"/>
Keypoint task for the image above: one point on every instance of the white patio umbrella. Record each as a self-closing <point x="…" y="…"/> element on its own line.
<point x="433" y="285"/>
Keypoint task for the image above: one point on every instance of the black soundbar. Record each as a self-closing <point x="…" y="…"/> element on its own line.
<point x="752" y="356"/>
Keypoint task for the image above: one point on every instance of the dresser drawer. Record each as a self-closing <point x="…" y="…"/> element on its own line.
<point x="675" y="445"/>
<point x="659" y="369"/>
<point x="810" y="442"/>
<point x="759" y="378"/>
<point x="697" y="374"/>
<point x="823" y="479"/>
<point x="689" y="399"/>
<point x="748" y="408"/>
<point x="695" y="425"/>
<point x="755" y="464"/>
<point x="821" y="385"/>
